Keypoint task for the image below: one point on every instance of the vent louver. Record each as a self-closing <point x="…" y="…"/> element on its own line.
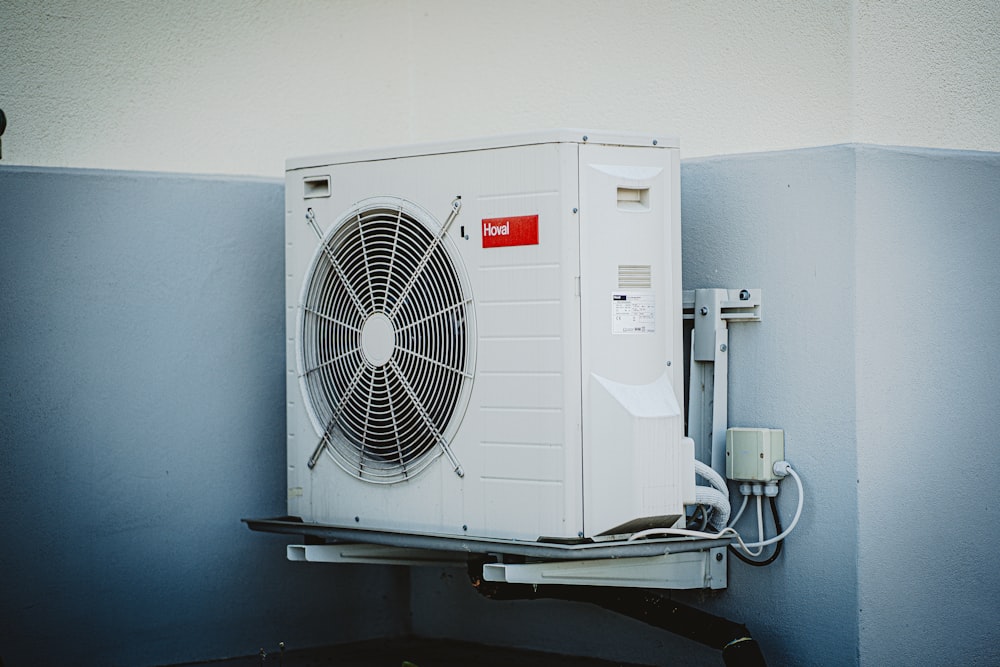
<point x="386" y="341"/>
<point x="635" y="276"/>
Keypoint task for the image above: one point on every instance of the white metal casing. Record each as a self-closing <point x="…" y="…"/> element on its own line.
<point x="573" y="426"/>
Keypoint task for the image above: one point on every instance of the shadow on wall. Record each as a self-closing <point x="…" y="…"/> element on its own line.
<point x="142" y="329"/>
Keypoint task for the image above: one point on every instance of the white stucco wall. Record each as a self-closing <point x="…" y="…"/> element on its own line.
<point x="236" y="87"/>
<point x="928" y="74"/>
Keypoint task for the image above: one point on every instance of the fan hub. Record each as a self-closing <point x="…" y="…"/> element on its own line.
<point x="378" y="339"/>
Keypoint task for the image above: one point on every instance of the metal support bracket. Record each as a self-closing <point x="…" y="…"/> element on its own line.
<point x="708" y="395"/>
<point x="374" y="554"/>
<point x="691" y="570"/>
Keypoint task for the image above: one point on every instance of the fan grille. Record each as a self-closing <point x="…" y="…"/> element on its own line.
<point x="384" y="341"/>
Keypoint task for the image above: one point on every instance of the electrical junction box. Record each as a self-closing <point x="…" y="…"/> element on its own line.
<point x="752" y="452"/>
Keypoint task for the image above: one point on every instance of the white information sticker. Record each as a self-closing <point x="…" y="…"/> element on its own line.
<point x="633" y="313"/>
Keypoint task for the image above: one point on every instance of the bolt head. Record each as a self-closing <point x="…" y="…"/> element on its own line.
<point x="704" y="310"/>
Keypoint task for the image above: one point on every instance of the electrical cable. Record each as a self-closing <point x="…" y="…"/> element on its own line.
<point x="785" y="469"/>
<point x="760" y="528"/>
<point x="704" y="517"/>
<point x="740" y="513"/>
<point x="777" y="547"/>
<point x="798" y="512"/>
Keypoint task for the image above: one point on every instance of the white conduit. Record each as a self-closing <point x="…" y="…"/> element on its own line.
<point x="715" y="496"/>
<point x="706" y="495"/>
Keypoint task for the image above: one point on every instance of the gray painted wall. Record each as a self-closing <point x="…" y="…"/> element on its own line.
<point x="142" y="357"/>
<point x="142" y="417"/>
<point x="928" y="381"/>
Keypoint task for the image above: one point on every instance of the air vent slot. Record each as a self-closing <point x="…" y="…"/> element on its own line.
<point x="635" y="276"/>
<point x="633" y="199"/>
<point x="315" y="186"/>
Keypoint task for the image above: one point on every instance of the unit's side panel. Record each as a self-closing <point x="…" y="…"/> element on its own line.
<point x="673" y="252"/>
<point x="630" y="309"/>
<point x="300" y="243"/>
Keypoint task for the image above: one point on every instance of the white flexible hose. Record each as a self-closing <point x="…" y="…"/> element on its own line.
<point x="706" y="495"/>
<point x="712" y="477"/>
<point x="715" y="496"/>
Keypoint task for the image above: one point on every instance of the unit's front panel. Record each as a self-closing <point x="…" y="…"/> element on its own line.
<point x="515" y="432"/>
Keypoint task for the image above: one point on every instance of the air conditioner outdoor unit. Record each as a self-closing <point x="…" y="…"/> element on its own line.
<point x="484" y="338"/>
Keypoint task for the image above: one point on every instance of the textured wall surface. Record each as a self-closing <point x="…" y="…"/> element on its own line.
<point x="235" y="87"/>
<point x="927" y="385"/>
<point x="927" y="74"/>
<point x="142" y="415"/>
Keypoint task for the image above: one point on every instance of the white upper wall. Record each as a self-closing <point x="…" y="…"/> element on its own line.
<point x="236" y="87"/>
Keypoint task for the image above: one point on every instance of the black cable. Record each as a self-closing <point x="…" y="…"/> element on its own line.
<point x="777" y="547"/>
<point x="694" y="515"/>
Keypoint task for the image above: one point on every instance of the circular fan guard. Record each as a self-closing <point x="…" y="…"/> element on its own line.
<point x="386" y="341"/>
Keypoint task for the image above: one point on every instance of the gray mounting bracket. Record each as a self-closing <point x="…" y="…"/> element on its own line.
<point x="708" y="396"/>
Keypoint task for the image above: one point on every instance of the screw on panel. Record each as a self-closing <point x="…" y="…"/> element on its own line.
<point x="465" y="527"/>
<point x="585" y="137"/>
<point x="575" y="209"/>
<point x="654" y="142"/>
<point x="357" y="519"/>
<point x="718" y="557"/>
<point x="744" y="295"/>
<point x="723" y="347"/>
<point x="669" y="363"/>
<point x="704" y="311"/>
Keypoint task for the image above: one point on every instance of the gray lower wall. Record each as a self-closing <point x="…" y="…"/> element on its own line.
<point x="142" y="415"/>
<point x="928" y="382"/>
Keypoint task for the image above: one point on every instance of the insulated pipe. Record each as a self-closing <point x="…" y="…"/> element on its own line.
<point x="738" y="648"/>
<point x="712" y="477"/>
<point x="719" y="499"/>
<point x="706" y="495"/>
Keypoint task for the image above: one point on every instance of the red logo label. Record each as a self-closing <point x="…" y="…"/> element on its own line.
<point x="519" y="230"/>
